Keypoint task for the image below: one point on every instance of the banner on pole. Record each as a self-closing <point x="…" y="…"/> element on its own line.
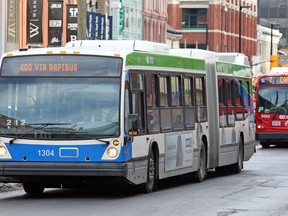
<point x="55" y="23"/>
<point x="72" y="23"/>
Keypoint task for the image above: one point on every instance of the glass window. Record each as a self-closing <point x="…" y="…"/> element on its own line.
<point x="136" y="81"/>
<point x="175" y="91"/>
<point x="238" y="101"/>
<point x="230" y="102"/>
<point x="137" y="108"/>
<point x="151" y="90"/>
<point x="229" y="93"/>
<point x="163" y="84"/>
<point x="152" y="105"/>
<point x="222" y="103"/>
<point x="200" y="91"/>
<point x="65" y="108"/>
<point x="200" y="99"/>
<point x="188" y="86"/>
<point x="273" y="12"/>
<point x="189" y="103"/>
<point x="264" y="3"/>
<point x="194" y="18"/>
<point x="177" y="119"/>
<point x="282" y="12"/>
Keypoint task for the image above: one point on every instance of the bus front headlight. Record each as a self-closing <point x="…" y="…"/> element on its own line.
<point x="112" y="152"/>
<point x="3" y="151"/>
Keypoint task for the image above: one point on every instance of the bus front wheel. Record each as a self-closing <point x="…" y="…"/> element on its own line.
<point x="151" y="183"/>
<point x="33" y="189"/>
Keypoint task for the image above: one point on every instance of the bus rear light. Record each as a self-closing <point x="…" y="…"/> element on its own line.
<point x="260" y="127"/>
<point x="3" y="151"/>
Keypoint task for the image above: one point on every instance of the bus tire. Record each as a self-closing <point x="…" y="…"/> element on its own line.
<point x="33" y="189"/>
<point x="265" y="144"/>
<point x="201" y="173"/>
<point x="151" y="183"/>
<point x="238" y="166"/>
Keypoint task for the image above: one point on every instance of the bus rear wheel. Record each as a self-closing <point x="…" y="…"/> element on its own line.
<point x="201" y="173"/>
<point x="238" y="166"/>
<point x="33" y="188"/>
<point x="265" y="144"/>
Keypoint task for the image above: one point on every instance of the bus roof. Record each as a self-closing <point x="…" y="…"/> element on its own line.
<point x="119" y="45"/>
<point x="234" y="58"/>
<point x="148" y="54"/>
<point x="278" y="70"/>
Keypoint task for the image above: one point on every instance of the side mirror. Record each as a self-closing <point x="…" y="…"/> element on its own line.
<point x="133" y="124"/>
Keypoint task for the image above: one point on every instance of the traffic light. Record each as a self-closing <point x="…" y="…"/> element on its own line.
<point x="121" y="18"/>
<point x="274" y="59"/>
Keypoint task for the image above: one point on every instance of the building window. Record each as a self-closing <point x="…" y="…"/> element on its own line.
<point x="194" y="18"/>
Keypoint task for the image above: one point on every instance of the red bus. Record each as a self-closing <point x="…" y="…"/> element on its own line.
<point x="271" y="113"/>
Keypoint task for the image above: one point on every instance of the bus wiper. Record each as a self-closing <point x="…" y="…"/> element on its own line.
<point x="42" y="125"/>
<point x="84" y="136"/>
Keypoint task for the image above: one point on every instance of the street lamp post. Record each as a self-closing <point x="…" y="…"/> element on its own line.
<point x="271" y="45"/>
<point x="240" y="24"/>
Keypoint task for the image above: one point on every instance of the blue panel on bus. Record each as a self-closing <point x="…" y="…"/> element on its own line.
<point x="64" y="153"/>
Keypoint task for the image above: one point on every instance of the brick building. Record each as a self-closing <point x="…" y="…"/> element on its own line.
<point x="155" y="20"/>
<point x="214" y="24"/>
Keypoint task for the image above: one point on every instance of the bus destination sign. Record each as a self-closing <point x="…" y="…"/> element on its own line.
<point x="273" y="80"/>
<point x="61" y="65"/>
<point x="44" y="67"/>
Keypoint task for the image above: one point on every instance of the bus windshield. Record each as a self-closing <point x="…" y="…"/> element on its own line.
<point x="67" y="108"/>
<point x="272" y="99"/>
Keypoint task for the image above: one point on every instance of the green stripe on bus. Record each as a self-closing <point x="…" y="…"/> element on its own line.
<point x="230" y="68"/>
<point x="156" y="60"/>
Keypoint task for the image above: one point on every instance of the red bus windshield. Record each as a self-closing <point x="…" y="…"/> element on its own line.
<point x="272" y="99"/>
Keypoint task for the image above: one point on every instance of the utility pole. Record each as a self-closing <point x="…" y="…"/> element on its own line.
<point x="82" y="9"/>
<point x="3" y="26"/>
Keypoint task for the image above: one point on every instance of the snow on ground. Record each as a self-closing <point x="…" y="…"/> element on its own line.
<point x="5" y="187"/>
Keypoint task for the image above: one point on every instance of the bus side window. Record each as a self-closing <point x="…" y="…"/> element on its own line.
<point x="151" y="103"/>
<point x="201" y="99"/>
<point x="165" y="109"/>
<point x="137" y="99"/>
<point x="238" y="101"/>
<point x="222" y="103"/>
<point x="230" y="103"/>
<point x="189" y="102"/>
<point x="176" y="99"/>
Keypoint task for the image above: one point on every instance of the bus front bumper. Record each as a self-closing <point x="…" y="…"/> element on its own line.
<point x="272" y="137"/>
<point x="23" y="171"/>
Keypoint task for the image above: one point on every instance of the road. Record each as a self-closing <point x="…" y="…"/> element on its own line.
<point x="261" y="189"/>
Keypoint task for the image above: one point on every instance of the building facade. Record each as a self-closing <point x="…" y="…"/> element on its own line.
<point x="217" y="25"/>
<point x="155" y="20"/>
<point x="274" y="13"/>
<point x="47" y="23"/>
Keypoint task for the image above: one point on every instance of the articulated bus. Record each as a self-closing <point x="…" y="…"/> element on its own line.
<point x="121" y="110"/>
<point x="271" y="113"/>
